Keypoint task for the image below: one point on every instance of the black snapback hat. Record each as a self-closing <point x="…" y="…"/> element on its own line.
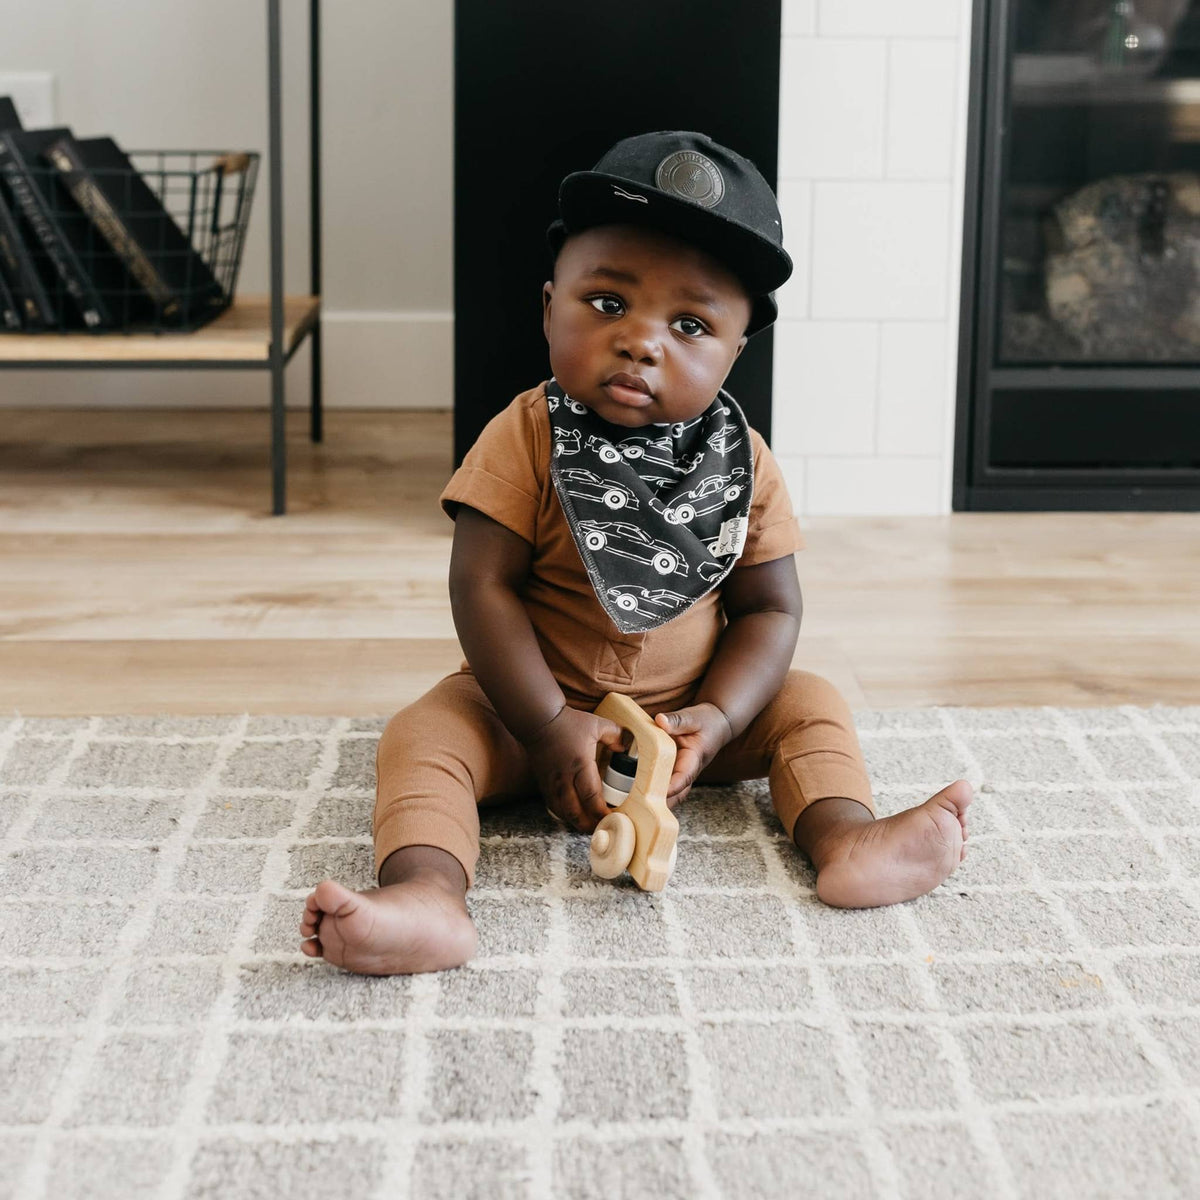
<point x="687" y="185"/>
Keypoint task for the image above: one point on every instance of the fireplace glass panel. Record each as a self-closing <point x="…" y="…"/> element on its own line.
<point x="1099" y="206"/>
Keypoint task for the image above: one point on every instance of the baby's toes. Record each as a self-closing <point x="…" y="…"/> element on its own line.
<point x="348" y="917"/>
<point x="312" y="916"/>
<point x="960" y="795"/>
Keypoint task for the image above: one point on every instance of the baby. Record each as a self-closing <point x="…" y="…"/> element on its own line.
<point x="622" y="528"/>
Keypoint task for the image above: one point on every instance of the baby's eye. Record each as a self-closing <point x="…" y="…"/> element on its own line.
<point x="689" y="326"/>
<point x="610" y="306"/>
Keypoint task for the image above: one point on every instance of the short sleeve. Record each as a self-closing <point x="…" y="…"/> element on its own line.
<point x="773" y="531"/>
<point x="504" y="473"/>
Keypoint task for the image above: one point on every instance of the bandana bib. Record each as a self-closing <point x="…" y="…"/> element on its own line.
<point x="659" y="513"/>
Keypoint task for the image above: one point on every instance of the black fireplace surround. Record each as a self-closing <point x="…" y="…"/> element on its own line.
<point x="1079" y="345"/>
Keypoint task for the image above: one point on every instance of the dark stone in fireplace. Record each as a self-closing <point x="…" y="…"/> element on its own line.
<point x="1122" y="274"/>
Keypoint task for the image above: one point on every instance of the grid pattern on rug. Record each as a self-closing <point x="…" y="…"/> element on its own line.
<point x="1032" y="1028"/>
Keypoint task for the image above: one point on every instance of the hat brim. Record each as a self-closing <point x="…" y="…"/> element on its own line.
<point x="588" y="198"/>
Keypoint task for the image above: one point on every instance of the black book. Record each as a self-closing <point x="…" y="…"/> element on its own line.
<point x="19" y="269"/>
<point x="23" y="289"/>
<point x="101" y="287"/>
<point x="138" y="229"/>
<point x="10" y="314"/>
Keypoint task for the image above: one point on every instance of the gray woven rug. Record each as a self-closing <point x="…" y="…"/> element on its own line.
<point x="1030" y="1029"/>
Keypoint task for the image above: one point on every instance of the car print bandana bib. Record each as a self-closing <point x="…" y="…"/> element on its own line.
<point x="660" y="512"/>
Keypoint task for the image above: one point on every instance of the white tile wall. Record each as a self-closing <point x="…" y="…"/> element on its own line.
<point x="826" y="387"/>
<point x="880" y="250"/>
<point x="892" y="18"/>
<point x="831" y="108"/>
<point x="912" y="413"/>
<point x="875" y="486"/>
<point x="799" y="16"/>
<point x="793" y="467"/>
<point x="795" y="210"/>
<point x="919" y="137"/>
<point x="873" y="100"/>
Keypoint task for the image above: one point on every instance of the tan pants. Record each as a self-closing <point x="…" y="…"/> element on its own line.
<point x="443" y="755"/>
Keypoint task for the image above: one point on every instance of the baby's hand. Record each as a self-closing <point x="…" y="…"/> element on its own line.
<point x="699" y="732"/>
<point x="562" y="755"/>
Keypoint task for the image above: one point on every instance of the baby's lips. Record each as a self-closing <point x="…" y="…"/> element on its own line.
<point x="635" y="382"/>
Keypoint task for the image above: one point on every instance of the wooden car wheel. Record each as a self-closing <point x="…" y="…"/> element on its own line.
<point x="612" y="846"/>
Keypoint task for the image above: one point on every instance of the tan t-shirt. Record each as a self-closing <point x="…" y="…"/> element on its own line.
<point x="506" y="475"/>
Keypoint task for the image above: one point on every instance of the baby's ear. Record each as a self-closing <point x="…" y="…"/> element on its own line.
<point x="547" y="298"/>
<point x="740" y="347"/>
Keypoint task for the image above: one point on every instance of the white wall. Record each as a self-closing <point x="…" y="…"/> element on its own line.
<point x="871" y="164"/>
<point x="182" y="74"/>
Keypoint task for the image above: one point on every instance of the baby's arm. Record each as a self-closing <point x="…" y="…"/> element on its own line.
<point x="488" y="568"/>
<point x="764" y="607"/>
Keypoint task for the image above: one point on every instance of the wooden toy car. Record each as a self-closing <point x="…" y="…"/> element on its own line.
<point x="641" y="834"/>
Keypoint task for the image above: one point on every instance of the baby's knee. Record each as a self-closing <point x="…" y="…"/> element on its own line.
<point x="396" y="734"/>
<point x="413" y="734"/>
<point x="808" y="694"/>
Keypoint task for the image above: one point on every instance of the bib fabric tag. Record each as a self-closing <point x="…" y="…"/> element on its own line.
<point x="732" y="537"/>
<point x="659" y="513"/>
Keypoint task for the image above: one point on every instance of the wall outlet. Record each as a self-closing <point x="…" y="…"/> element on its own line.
<point x="33" y="94"/>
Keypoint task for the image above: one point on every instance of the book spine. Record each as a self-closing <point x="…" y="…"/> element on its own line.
<point x="10" y="314"/>
<point x="95" y="315"/>
<point x="108" y="221"/>
<point x="22" y="275"/>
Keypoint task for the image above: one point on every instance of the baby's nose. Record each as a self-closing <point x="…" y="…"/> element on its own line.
<point x="641" y="343"/>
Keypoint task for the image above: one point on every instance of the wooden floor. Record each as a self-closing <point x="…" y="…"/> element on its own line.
<point x="140" y="572"/>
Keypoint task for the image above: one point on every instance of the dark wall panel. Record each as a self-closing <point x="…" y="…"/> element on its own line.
<point x="544" y="89"/>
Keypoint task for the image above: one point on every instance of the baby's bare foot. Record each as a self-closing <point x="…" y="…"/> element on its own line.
<point x="895" y="858"/>
<point x="408" y="927"/>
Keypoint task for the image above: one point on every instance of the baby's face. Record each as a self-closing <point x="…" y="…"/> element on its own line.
<point x="643" y="328"/>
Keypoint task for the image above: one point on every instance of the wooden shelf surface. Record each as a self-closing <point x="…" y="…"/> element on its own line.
<point x="242" y="333"/>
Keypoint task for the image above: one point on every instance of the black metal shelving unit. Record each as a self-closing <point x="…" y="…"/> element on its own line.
<point x="248" y="336"/>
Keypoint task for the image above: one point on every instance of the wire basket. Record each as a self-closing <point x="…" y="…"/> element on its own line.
<point x="154" y="247"/>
